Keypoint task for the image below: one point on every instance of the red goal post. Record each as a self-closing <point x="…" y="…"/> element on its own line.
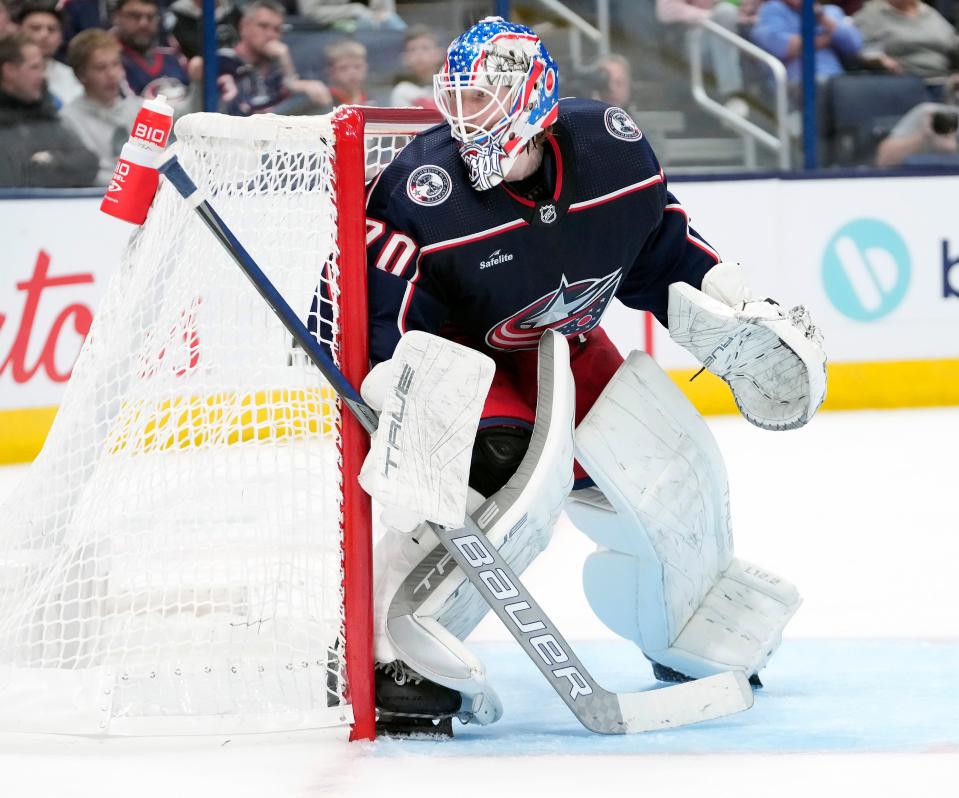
<point x="355" y="128"/>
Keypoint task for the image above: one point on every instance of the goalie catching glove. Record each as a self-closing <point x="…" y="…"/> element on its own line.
<point x="773" y="361"/>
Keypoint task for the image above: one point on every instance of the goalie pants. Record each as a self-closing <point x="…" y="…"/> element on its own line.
<point x="511" y="402"/>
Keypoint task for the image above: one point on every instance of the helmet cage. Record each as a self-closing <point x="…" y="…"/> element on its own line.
<point x="470" y="123"/>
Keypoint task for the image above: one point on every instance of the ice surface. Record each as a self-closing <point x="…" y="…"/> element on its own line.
<point x="858" y="509"/>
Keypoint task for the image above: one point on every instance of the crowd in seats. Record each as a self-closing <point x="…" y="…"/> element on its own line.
<point x="861" y="48"/>
<point x="736" y="17"/>
<point x="421" y="59"/>
<point x="102" y="115"/>
<point x="101" y="57"/>
<point x="350" y="17"/>
<point x="42" y="23"/>
<point x="258" y="75"/>
<point x="908" y="36"/>
<point x="152" y="61"/>
<point x="75" y="72"/>
<point x="36" y="147"/>
<point x="184" y="20"/>
<point x="927" y="135"/>
<point x="778" y="31"/>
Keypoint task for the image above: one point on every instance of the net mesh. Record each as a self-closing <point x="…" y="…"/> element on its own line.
<point x="173" y="558"/>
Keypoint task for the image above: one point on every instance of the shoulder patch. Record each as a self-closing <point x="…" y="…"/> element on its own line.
<point x="429" y="185"/>
<point x="620" y="125"/>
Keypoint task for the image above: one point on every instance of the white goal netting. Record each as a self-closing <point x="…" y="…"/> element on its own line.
<point x="172" y="562"/>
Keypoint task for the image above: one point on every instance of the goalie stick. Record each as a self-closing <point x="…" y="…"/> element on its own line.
<point x="598" y="709"/>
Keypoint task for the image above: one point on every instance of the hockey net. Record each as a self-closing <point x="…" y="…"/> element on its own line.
<point x="190" y="551"/>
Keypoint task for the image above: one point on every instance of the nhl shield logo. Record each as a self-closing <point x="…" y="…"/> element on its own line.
<point x="429" y="185"/>
<point x="620" y="125"/>
<point x="547" y="213"/>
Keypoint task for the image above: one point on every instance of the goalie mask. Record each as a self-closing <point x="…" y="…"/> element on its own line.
<point x="498" y="89"/>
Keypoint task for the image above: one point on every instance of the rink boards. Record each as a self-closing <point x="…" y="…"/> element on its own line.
<point x="874" y="258"/>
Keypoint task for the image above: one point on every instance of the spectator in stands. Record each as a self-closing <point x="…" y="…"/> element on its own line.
<point x="185" y="22"/>
<point x="41" y="23"/>
<point x="36" y="149"/>
<point x="7" y="25"/>
<point x="610" y="81"/>
<point x="723" y="56"/>
<point x="930" y="130"/>
<point x="906" y="36"/>
<point x="349" y="17"/>
<point x="102" y="117"/>
<point x="422" y="57"/>
<point x="259" y="71"/>
<point x="81" y="15"/>
<point x="777" y="30"/>
<point x="616" y="84"/>
<point x="150" y="69"/>
<point x="346" y="69"/>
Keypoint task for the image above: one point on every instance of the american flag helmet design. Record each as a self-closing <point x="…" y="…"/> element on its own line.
<point x="498" y="88"/>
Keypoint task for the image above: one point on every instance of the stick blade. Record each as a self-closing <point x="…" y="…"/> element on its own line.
<point x="683" y="704"/>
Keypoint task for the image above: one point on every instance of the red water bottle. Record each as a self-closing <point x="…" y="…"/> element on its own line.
<point x="135" y="178"/>
<point x="153" y="124"/>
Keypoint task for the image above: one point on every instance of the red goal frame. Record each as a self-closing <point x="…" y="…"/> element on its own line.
<point x="352" y="125"/>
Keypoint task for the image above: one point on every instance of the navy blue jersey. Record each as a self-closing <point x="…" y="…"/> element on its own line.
<point x="494" y="269"/>
<point x="259" y="89"/>
<point x="160" y="71"/>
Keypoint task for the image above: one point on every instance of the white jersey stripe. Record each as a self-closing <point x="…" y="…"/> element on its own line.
<point x="691" y="236"/>
<point x="649" y="181"/>
<point x="455" y="242"/>
<point x="408" y="297"/>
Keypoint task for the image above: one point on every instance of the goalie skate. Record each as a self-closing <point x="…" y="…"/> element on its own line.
<point x="409" y="705"/>
<point x="664" y="673"/>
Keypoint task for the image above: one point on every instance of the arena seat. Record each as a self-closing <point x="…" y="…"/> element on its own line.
<point x="859" y="110"/>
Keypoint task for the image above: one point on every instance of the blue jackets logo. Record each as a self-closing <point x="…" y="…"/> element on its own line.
<point x="620" y="125"/>
<point x="570" y="309"/>
<point x="429" y="185"/>
<point x="866" y="269"/>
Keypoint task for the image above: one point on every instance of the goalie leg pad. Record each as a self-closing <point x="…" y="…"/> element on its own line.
<point x="420" y="642"/>
<point x="665" y="576"/>
<point x="738" y="625"/>
<point x="650" y="452"/>
<point x="424" y="607"/>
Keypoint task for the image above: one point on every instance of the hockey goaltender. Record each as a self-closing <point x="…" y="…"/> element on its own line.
<point x="495" y="245"/>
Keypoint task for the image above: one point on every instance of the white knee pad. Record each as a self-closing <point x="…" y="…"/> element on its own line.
<point x="665" y="576"/>
<point x="420" y="641"/>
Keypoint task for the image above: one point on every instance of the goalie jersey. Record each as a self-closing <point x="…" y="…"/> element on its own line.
<point x="493" y="269"/>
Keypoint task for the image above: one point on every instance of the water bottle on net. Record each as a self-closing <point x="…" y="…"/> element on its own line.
<point x="135" y="178"/>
